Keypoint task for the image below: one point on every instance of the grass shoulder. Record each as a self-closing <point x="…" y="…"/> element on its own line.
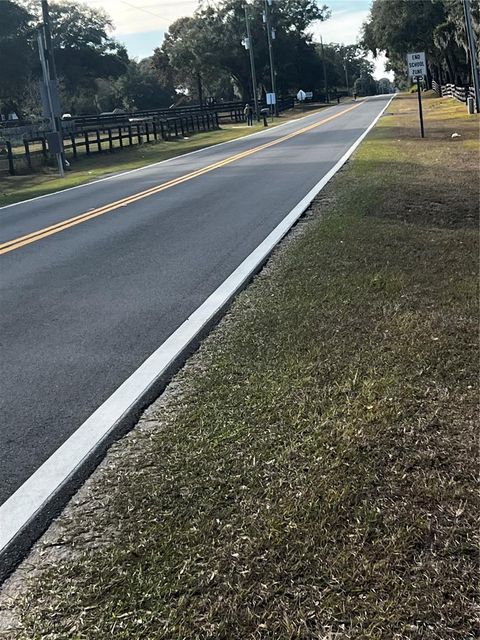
<point x="311" y="472"/>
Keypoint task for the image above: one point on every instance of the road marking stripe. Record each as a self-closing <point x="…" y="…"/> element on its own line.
<point x="120" y="174"/>
<point x="21" y="508"/>
<point x="17" y="243"/>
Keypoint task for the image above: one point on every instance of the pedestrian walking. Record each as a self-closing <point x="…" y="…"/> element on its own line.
<point x="248" y="113"/>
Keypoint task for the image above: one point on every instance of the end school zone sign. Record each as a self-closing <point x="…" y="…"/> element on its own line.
<point x="417" y="64"/>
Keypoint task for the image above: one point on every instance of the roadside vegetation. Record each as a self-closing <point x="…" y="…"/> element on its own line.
<point x="311" y="472"/>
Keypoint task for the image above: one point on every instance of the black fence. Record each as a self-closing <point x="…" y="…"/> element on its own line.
<point x="34" y="152"/>
<point x="226" y="111"/>
<point x="112" y="132"/>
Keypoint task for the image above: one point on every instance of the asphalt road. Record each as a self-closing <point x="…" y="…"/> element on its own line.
<point x="82" y="308"/>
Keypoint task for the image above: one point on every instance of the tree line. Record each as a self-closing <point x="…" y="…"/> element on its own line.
<point x="201" y="57"/>
<point x="398" y="27"/>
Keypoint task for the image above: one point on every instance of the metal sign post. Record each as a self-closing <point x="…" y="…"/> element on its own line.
<point x="420" y="110"/>
<point x="417" y="69"/>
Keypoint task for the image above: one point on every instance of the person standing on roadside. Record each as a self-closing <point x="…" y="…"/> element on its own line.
<point x="248" y="113"/>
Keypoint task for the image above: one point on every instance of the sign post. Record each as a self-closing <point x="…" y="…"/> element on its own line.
<point x="417" y="69"/>
<point x="420" y="110"/>
<point x="301" y="95"/>
<point x="272" y="101"/>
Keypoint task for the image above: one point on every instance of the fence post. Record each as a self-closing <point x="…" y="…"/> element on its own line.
<point x="110" y="140"/>
<point x="44" y="149"/>
<point x="120" y="137"/>
<point x="182" y="129"/>
<point x="87" y="143"/>
<point x="139" y="134"/>
<point x="74" y="145"/>
<point x="176" y="128"/>
<point x="147" y="131"/>
<point x="27" y="153"/>
<point x="216" y="120"/>
<point x="130" y="136"/>
<point x="11" y="166"/>
<point x="162" y="130"/>
<point x="154" y="127"/>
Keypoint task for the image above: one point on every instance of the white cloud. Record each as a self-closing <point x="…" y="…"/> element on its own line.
<point x="379" y="71"/>
<point x="142" y="16"/>
<point x="138" y="16"/>
<point x="343" y="27"/>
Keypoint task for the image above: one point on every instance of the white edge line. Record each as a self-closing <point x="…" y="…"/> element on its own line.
<point x="28" y="500"/>
<point x="155" y="164"/>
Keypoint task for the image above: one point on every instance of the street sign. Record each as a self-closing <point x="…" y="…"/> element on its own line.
<point x="308" y="95"/>
<point x="417" y="70"/>
<point x="54" y="142"/>
<point x="301" y="95"/>
<point x="417" y="64"/>
<point x="271" y="98"/>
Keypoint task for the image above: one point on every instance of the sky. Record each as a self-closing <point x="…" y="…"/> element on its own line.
<point x="141" y="24"/>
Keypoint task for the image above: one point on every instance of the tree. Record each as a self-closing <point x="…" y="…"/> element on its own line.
<point x="141" y="88"/>
<point x="16" y="55"/>
<point x="83" y="51"/>
<point x="384" y="85"/>
<point x="398" y="27"/>
<point x="342" y="61"/>
<point x="205" y="52"/>
<point x="365" y="85"/>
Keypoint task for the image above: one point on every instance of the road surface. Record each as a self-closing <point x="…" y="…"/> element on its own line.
<point x="89" y="289"/>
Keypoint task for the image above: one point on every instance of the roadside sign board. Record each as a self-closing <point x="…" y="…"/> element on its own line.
<point x="417" y="64"/>
<point x="54" y="142"/>
<point x="308" y="95"/>
<point x="301" y="95"/>
<point x="417" y="70"/>
<point x="271" y="98"/>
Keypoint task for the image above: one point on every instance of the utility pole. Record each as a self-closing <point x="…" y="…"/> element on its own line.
<point x="467" y="9"/>
<point x="47" y="61"/>
<point x="327" y="99"/>
<point x="249" y="46"/>
<point x="346" y="75"/>
<point x="268" y="25"/>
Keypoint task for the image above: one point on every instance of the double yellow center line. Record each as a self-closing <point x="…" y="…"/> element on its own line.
<point x="21" y="241"/>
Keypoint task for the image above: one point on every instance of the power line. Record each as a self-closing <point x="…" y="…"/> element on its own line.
<point x="144" y="10"/>
<point x="133" y="6"/>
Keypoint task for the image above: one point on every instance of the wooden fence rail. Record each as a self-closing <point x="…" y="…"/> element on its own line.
<point x="232" y="111"/>
<point x="452" y="91"/>
<point x="35" y="150"/>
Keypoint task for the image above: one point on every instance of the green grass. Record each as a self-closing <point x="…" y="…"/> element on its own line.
<point x="310" y="473"/>
<point x="88" y="168"/>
